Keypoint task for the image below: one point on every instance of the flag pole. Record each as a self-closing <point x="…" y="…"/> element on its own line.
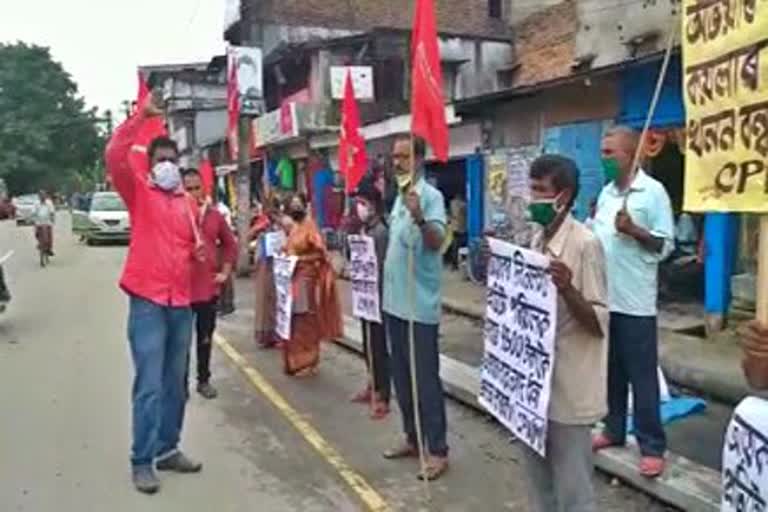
<point x="412" y="349"/>
<point x="654" y="101"/>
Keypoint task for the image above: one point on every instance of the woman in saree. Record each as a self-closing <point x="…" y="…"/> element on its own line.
<point x="316" y="312"/>
<point x="264" y="221"/>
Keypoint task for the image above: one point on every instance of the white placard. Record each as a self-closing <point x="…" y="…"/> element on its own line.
<point x="519" y="342"/>
<point x="364" y="273"/>
<point x="745" y="458"/>
<point x="250" y="81"/>
<point x="273" y="243"/>
<point x="362" y="82"/>
<point x="284" y="266"/>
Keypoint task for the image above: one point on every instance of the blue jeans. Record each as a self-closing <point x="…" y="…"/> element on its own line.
<point x="431" y="396"/>
<point x="633" y="358"/>
<point x="159" y="337"/>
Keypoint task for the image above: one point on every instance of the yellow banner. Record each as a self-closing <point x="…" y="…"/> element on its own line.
<point x="725" y="85"/>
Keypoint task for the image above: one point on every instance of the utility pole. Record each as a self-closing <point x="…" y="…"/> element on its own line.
<point x="250" y="35"/>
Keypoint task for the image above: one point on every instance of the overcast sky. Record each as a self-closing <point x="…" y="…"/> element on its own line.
<point x="101" y="42"/>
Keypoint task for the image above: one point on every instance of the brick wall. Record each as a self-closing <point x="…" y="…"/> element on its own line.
<point x="468" y="17"/>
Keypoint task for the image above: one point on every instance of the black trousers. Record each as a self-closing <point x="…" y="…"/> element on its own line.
<point x="379" y="356"/>
<point x="205" y="322"/>
<point x="633" y="358"/>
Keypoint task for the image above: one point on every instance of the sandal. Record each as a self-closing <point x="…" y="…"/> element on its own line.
<point x="652" y="467"/>
<point x="363" y="397"/>
<point x="436" y="467"/>
<point x="402" y="451"/>
<point x="380" y="411"/>
<point x="601" y="442"/>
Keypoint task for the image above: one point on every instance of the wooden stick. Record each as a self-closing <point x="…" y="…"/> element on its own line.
<point x="412" y="348"/>
<point x="762" y="273"/>
<point x="654" y="102"/>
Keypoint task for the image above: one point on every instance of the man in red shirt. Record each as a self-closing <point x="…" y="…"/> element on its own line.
<point x="157" y="278"/>
<point x="209" y="274"/>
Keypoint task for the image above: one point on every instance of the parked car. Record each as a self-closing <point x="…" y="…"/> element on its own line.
<point x="106" y="220"/>
<point x="25" y="207"/>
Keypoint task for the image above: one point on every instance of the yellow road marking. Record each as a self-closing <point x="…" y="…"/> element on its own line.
<point x="372" y="499"/>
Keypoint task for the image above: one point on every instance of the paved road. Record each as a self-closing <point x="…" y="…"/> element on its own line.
<point x="64" y="434"/>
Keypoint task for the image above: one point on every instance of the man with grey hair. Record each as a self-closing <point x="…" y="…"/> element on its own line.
<point x="634" y="222"/>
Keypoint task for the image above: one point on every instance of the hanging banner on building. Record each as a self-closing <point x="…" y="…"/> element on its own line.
<point x="745" y="458"/>
<point x="250" y="80"/>
<point x="725" y="85"/>
<point x="284" y="267"/>
<point x="519" y="336"/>
<point x="364" y="273"/>
<point x="362" y="82"/>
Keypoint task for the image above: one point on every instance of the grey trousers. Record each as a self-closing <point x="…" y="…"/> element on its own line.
<point x="562" y="482"/>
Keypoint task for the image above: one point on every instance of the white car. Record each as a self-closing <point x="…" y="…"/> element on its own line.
<point x="106" y="221"/>
<point x="25" y="207"/>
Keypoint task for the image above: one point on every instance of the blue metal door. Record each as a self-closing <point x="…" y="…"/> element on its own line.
<point x="581" y="143"/>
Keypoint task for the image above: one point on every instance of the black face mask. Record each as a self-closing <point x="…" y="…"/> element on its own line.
<point x="298" y="215"/>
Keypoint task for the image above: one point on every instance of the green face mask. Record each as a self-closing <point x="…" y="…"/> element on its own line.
<point x="542" y="212"/>
<point x="610" y="169"/>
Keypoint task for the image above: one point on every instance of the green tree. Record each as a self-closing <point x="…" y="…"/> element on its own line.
<point x="47" y="136"/>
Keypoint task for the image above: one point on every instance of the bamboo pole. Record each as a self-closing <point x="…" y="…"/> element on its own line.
<point x="412" y="349"/>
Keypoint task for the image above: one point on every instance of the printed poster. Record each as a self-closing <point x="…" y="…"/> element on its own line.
<point x="745" y="458"/>
<point x="284" y="266"/>
<point x="364" y="273"/>
<point x="725" y="73"/>
<point x="519" y="355"/>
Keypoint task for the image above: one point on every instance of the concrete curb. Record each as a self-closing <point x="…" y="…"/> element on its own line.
<point x="686" y="485"/>
<point x="678" y="370"/>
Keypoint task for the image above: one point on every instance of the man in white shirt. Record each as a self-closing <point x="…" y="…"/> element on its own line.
<point x="44" y="218"/>
<point x="635" y="225"/>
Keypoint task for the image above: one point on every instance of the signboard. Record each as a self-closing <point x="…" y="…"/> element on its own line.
<point x="364" y="273"/>
<point x="276" y="126"/>
<point x="362" y="82"/>
<point x="250" y="79"/>
<point x="726" y="98"/>
<point x="284" y="267"/>
<point x="519" y="355"/>
<point x="745" y="458"/>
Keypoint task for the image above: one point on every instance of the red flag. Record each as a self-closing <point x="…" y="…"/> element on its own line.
<point x="353" y="160"/>
<point x="207" y="176"/>
<point x="233" y="108"/>
<point x="427" y="104"/>
<point x="150" y="130"/>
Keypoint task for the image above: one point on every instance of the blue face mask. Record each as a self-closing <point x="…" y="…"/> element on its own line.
<point x="166" y="176"/>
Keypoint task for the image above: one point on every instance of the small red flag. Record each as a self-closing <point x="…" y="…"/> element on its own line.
<point x="150" y="130"/>
<point x="353" y="160"/>
<point x="233" y="108"/>
<point x="427" y="103"/>
<point x="207" y="176"/>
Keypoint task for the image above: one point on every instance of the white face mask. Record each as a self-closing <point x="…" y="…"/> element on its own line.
<point x="166" y="176"/>
<point x="363" y="212"/>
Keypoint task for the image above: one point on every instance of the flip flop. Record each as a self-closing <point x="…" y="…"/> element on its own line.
<point x="652" y="467"/>
<point x="380" y="411"/>
<point x="601" y="442"/>
<point x="403" y="451"/>
<point x="434" y="471"/>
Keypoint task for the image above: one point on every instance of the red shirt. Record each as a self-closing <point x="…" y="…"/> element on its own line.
<point x="159" y="263"/>
<point x="220" y="248"/>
